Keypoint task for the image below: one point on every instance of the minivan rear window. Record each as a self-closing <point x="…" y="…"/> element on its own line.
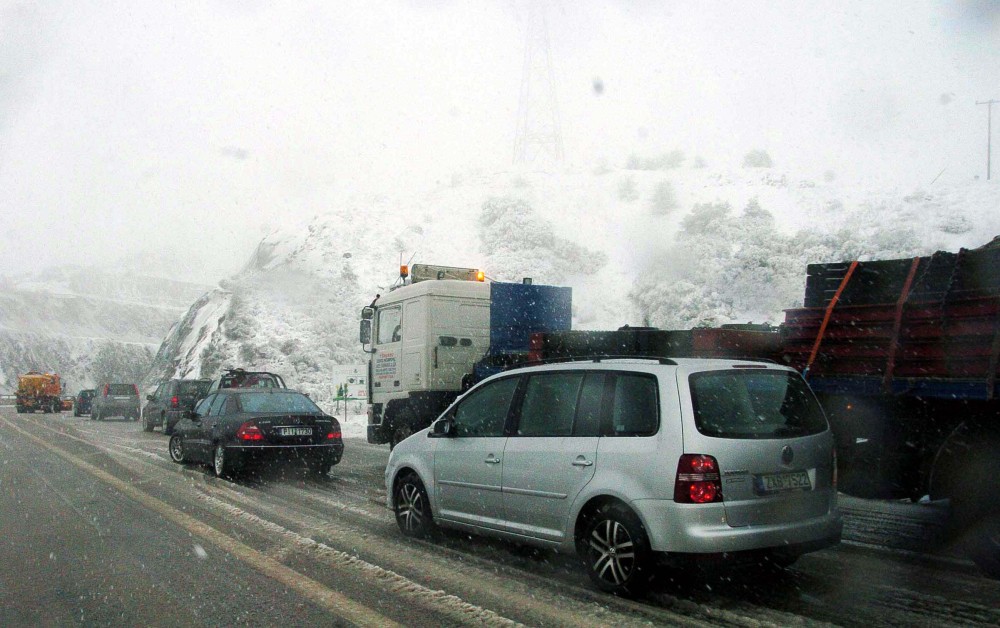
<point x="755" y="405"/>
<point x="121" y="389"/>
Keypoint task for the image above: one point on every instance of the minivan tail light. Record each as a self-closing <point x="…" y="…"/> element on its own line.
<point x="698" y="480"/>
<point x="136" y="389"/>
<point x="175" y="402"/>
<point x="107" y="389"/>
<point x="249" y="431"/>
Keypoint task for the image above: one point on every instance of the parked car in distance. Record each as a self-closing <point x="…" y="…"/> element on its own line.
<point x="116" y="400"/>
<point x="630" y="463"/>
<point x="234" y="429"/>
<point x="240" y="378"/>
<point x="67" y="404"/>
<point x="82" y="404"/>
<point x="172" y="400"/>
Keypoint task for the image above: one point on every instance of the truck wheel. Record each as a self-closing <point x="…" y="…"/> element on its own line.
<point x="399" y="434"/>
<point x="402" y="427"/>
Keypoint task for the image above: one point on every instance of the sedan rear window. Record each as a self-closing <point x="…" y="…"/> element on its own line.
<point x="755" y="405"/>
<point x="122" y="389"/>
<point x="278" y="402"/>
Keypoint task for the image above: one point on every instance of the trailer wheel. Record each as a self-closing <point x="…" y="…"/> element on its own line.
<point x="984" y="544"/>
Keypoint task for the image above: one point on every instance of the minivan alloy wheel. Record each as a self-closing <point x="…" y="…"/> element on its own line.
<point x="615" y="550"/>
<point x="612" y="552"/>
<point x="413" y="513"/>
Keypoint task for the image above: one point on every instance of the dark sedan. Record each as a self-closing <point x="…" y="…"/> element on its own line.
<point x="84" y="399"/>
<point x="236" y="428"/>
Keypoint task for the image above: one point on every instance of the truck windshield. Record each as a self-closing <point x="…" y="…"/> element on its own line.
<point x="754" y="404"/>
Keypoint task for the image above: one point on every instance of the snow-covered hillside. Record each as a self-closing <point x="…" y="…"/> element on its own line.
<point x="85" y="324"/>
<point x="673" y="247"/>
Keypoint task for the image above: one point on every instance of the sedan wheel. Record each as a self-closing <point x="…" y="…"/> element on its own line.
<point x="220" y="463"/>
<point x="413" y="510"/>
<point x="616" y="551"/>
<point x="176" y="448"/>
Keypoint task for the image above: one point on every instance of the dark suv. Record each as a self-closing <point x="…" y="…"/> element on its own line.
<point x="240" y="378"/>
<point x="83" y="401"/>
<point x="172" y="401"/>
<point x="116" y="400"/>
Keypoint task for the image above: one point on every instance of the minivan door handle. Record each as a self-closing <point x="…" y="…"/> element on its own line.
<point x="492" y="460"/>
<point x="582" y="462"/>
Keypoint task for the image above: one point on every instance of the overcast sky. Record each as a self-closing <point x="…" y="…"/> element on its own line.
<point x="182" y="131"/>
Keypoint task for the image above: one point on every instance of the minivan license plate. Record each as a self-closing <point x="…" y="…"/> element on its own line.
<point x="778" y="482"/>
<point x="295" y="431"/>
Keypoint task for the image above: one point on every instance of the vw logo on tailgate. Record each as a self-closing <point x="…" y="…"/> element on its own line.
<point x="786" y="455"/>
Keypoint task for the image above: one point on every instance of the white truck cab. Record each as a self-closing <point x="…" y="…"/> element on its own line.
<point x="427" y="340"/>
<point x="424" y="338"/>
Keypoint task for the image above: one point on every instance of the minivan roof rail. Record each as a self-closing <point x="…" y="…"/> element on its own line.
<point x="598" y="358"/>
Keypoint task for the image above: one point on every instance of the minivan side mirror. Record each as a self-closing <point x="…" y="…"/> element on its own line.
<point x="442" y="428"/>
<point x="149" y="397"/>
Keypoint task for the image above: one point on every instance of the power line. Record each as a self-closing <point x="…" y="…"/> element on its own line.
<point x="989" y="132"/>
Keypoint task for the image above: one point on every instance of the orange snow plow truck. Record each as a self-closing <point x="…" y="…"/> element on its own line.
<point x="39" y="391"/>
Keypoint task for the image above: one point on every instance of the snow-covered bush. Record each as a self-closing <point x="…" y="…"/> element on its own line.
<point x="757" y="159"/>
<point x="666" y="161"/>
<point x="724" y="268"/>
<point x="628" y="191"/>
<point x="664" y="200"/>
<point x="521" y="244"/>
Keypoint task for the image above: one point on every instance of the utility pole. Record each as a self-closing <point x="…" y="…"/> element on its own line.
<point x="989" y="131"/>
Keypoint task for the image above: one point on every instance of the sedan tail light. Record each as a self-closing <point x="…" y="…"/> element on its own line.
<point x="333" y="435"/>
<point x="698" y="480"/>
<point x="249" y="431"/>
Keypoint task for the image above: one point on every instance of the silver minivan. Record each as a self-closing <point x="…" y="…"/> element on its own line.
<point x="627" y="462"/>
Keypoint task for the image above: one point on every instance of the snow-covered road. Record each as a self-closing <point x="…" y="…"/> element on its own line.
<point x="330" y="537"/>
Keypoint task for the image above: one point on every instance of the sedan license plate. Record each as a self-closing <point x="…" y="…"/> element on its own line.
<point x="295" y="431"/>
<point x="780" y="482"/>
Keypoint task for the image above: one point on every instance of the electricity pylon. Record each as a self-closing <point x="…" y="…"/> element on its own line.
<point x="538" y="133"/>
